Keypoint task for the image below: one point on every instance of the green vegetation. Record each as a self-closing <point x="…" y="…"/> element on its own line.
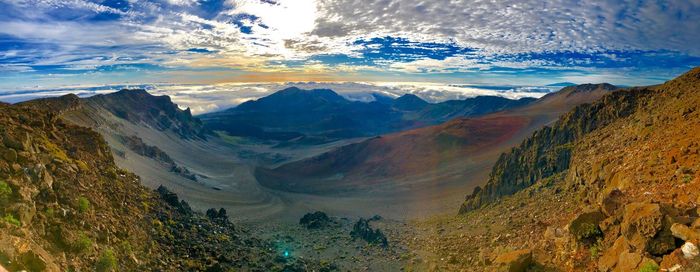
<point x="9" y="218"/>
<point x="107" y="262"/>
<point x="83" y="204"/>
<point x="5" y="192"/>
<point x="83" y="243"/>
<point x="595" y="249"/>
<point x="649" y="267"/>
<point x="687" y="179"/>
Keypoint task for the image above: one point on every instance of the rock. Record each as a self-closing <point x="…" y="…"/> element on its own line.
<point x="628" y="261"/>
<point x="696" y="224"/>
<point x="675" y="260"/>
<point x="316" y="220"/>
<point x="611" y="202"/>
<point x="514" y="261"/>
<point x="684" y="232"/>
<point x="585" y="227"/>
<point x="10" y="155"/>
<point x="640" y="223"/>
<point x="611" y="256"/>
<point x="663" y="242"/>
<point x="689" y="250"/>
<point x="361" y="229"/>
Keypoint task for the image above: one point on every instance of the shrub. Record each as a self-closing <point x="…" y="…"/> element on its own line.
<point x="83" y="243"/>
<point x="83" y="204"/>
<point x="649" y="267"/>
<point x="5" y="192"/>
<point x="107" y="262"/>
<point x="9" y="218"/>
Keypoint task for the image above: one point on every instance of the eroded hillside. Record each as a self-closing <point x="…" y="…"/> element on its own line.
<point x="67" y="207"/>
<point x="613" y="186"/>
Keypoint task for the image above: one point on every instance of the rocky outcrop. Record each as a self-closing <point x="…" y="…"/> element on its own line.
<point x="514" y="261"/>
<point x="548" y="151"/>
<point x="364" y="231"/>
<point x="316" y="220"/>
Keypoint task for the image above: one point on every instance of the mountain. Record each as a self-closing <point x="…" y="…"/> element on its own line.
<point x="612" y="186"/>
<point x="445" y="152"/>
<point x="66" y="206"/>
<point x="293" y="113"/>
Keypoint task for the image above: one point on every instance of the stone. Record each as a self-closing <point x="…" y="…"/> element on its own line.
<point x="689" y="250"/>
<point x="316" y="220"/>
<point x="663" y="242"/>
<point x="514" y="261"/>
<point x="640" y="223"/>
<point x="684" y="232"/>
<point x="362" y="230"/>
<point x="628" y="261"/>
<point x="610" y="257"/>
<point x="10" y="155"/>
<point x="611" y="202"/>
<point x="696" y="224"/>
<point x="585" y="227"/>
<point x="673" y="261"/>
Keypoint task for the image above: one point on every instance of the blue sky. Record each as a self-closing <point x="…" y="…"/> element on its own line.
<point x="52" y="43"/>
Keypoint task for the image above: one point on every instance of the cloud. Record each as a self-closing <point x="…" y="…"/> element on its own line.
<point x="392" y="39"/>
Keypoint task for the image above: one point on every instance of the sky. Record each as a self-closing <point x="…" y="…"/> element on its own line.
<point x="57" y="44"/>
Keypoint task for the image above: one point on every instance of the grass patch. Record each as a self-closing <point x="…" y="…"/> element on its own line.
<point x="5" y="192"/>
<point x="83" y="204"/>
<point x="649" y="267"/>
<point x="106" y="262"/>
<point x="83" y="243"/>
<point x="9" y="218"/>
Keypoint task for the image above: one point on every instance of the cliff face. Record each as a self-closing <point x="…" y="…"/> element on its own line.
<point x="548" y="151"/>
<point x="159" y="112"/>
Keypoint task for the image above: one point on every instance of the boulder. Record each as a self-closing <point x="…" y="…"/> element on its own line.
<point x="316" y="220"/>
<point x="674" y="261"/>
<point x="663" y="242"/>
<point x="10" y="155"/>
<point x="585" y="227"/>
<point x="611" y="202"/>
<point x="629" y="261"/>
<point x="362" y="230"/>
<point x="690" y="250"/>
<point x="514" y="261"/>
<point x="610" y="257"/>
<point x="640" y="223"/>
<point x="684" y="232"/>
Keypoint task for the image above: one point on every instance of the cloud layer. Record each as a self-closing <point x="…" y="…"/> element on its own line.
<point x="51" y="42"/>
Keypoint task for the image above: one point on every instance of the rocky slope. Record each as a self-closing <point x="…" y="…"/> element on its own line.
<point x="65" y="206"/>
<point x="324" y="115"/>
<point x="612" y="186"/>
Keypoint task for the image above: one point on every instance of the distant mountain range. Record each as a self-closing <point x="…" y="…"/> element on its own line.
<point x="324" y="115"/>
<point x="442" y="152"/>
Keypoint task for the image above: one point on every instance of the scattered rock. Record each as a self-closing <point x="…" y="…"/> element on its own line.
<point x="611" y="202"/>
<point x="316" y="220"/>
<point x="629" y="261"/>
<point x="684" y="232"/>
<point x="514" y="261"/>
<point x="364" y="231"/>
<point x="220" y="215"/>
<point x="641" y="222"/>
<point x="585" y="227"/>
<point x="690" y="250"/>
<point x="611" y="256"/>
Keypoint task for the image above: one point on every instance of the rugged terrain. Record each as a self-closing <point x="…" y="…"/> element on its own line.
<point x="67" y="207"/>
<point x="612" y="186"/>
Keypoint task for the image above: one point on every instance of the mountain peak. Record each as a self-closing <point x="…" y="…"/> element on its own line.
<point x="409" y="102"/>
